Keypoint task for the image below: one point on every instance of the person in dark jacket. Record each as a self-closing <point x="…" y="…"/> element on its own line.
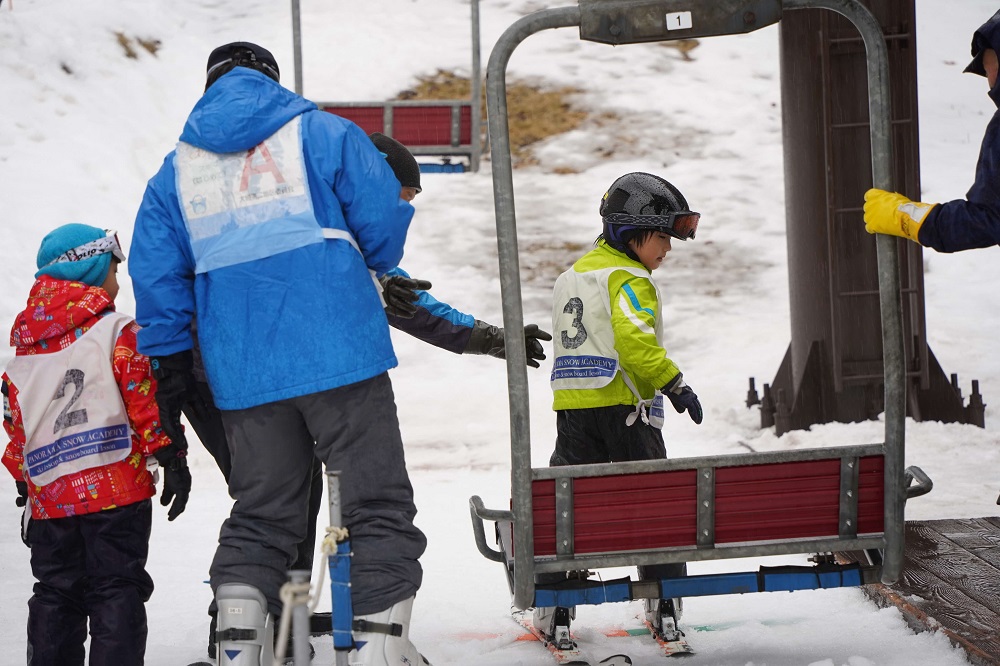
<point x="962" y="224"/>
<point x="413" y="310"/>
<point x="267" y="225"/>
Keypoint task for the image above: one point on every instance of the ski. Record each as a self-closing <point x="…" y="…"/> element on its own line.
<point x="573" y="656"/>
<point x="677" y="648"/>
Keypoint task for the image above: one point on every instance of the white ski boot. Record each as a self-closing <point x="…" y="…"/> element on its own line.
<point x="383" y="639"/>
<point x="553" y="622"/>
<point x="664" y="616"/>
<point x="245" y="632"/>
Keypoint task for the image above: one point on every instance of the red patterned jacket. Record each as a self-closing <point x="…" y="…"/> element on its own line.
<point x="58" y="313"/>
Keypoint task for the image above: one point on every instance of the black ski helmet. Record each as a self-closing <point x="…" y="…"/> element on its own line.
<point x="643" y="201"/>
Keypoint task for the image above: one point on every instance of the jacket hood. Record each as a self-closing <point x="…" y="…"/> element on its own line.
<point x="55" y="308"/>
<point x="240" y="110"/>
<point x="987" y="37"/>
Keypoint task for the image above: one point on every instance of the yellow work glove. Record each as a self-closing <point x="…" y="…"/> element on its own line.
<point x="893" y="214"/>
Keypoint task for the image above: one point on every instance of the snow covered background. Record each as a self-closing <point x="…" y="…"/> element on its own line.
<point x="83" y="128"/>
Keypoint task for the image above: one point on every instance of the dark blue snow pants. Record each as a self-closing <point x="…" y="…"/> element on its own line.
<point x="90" y="566"/>
<point x="354" y="430"/>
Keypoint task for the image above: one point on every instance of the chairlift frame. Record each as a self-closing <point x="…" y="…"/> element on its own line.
<point x="634" y="21"/>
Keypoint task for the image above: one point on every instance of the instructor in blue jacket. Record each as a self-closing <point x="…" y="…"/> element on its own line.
<point x="267" y="225"/>
<point x="962" y="224"/>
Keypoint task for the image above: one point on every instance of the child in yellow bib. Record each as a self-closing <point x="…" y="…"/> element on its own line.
<point x="611" y="371"/>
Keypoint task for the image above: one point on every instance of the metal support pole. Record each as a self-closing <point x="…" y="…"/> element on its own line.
<point x="297" y="45"/>
<point x="300" y="621"/>
<point x="340" y="590"/>
<point x="476" y="137"/>
<point x="510" y="286"/>
<point x="888" y="275"/>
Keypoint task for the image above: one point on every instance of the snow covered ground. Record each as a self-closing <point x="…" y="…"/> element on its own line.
<point x="84" y="127"/>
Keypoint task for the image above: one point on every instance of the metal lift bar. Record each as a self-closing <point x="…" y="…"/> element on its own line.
<point x="878" y="85"/>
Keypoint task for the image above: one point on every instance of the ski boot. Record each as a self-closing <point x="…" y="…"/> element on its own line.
<point x="664" y="616"/>
<point x="553" y="622"/>
<point x="318" y="628"/>
<point x="245" y="630"/>
<point x="383" y="638"/>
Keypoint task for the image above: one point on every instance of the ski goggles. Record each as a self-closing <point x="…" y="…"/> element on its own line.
<point x="92" y="249"/>
<point x="681" y="224"/>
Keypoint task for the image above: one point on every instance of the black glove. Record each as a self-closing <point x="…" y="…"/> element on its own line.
<point x="683" y="398"/>
<point x="176" y="478"/>
<point x="22" y="493"/>
<point x="175" y="387"/>
<point x="22" y="501"/>
<point x="400" y="293"/>
<point x="488" y="339"/>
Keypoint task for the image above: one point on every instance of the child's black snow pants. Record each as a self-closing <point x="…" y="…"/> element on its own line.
<point x="90" y="566"/>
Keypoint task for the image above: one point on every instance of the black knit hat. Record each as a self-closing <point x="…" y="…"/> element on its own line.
<point x="240" y="54"/>
<point x="400" y="160"/>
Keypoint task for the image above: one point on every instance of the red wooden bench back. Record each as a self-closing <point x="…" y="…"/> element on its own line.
<point x="413" y="126"/>
<point x="773" y="501"/>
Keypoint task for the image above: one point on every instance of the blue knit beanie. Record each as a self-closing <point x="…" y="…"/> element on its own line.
<point x="92" y="271"/>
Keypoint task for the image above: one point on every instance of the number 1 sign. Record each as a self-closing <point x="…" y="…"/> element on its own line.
<point x="679" y="21"/>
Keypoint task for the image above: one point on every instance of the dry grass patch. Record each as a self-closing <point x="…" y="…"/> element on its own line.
<point x="542" y="261"/>
<point x="150" y="45"/>
<point x="534" y="112"/>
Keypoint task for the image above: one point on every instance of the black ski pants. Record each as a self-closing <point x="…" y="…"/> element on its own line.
<point x="599" y="435"/>
<point x="90" y="566"/>
<point x="352" y="429"/>
<point x="207" y="424"/>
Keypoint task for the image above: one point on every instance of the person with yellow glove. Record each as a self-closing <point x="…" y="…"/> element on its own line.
<point x="962" y="224"/>
<point x="893" y="214"/>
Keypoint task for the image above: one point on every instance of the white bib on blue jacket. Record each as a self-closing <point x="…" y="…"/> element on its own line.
<point x="249" y="205"/>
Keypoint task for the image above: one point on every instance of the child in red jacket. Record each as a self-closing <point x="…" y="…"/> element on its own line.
<point x="80" y="412"/>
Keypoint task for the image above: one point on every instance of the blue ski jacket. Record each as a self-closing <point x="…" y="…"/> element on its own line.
<point x="435" y="322"/>
<point x="973" y="222"/>
<point x="293" y="322"/>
